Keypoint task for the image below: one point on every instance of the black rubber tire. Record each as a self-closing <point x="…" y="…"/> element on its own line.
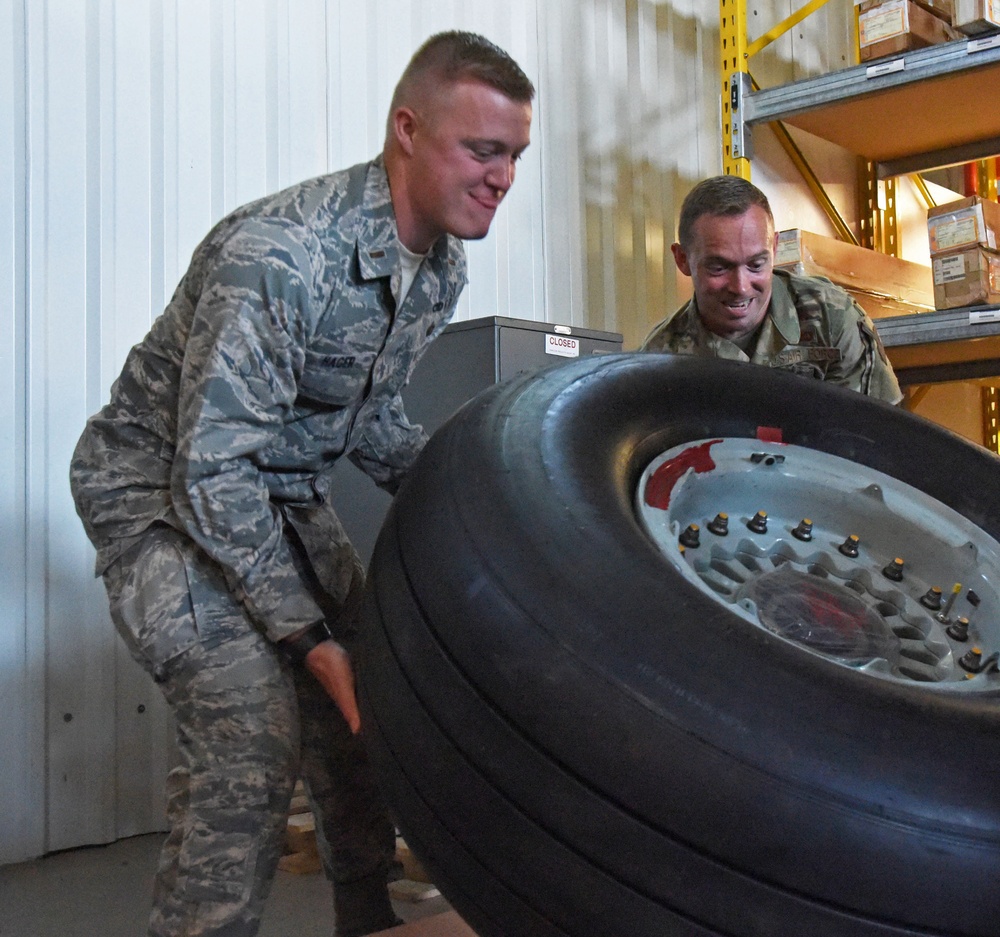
<point x="577" y="742"/>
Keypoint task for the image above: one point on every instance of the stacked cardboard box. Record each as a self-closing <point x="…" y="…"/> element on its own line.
<point x="964" y="239"/>
<point x="974" y="17"/>
<point x="880" y="284"/>
<point x="889" y="27"/>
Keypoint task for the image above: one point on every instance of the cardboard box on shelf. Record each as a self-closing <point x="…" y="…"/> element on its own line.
<point x="881" y="285"/>
<point x="966" y="278"/>
<point x="943" y="8"/>
<point x="973" y="17"/>
<point x="963" y="223"/>
<point x="893" y="26"/>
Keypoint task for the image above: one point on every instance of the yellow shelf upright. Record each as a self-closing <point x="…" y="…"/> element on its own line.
<point x="734" y="58"/>
<point x="986" y="178"/>
<point x="737" y="82"/>
<point x="735" y="51"/>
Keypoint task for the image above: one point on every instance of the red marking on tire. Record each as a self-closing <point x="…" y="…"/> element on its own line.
<point x="661" y="483"/>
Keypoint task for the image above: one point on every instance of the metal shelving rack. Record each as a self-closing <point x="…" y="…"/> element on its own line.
<point x="919" y="110"/>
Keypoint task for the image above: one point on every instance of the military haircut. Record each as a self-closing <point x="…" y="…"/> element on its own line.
<point x="452" y="56"/>
<point x="719" y="195"/>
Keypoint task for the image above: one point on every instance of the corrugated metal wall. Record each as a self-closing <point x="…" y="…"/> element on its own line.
<point x="127" y="127"/>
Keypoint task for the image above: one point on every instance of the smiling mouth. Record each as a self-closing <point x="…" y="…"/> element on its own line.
<point x="488" y="203"/>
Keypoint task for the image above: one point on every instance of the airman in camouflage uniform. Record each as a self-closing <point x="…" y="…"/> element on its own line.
<point x="744" y="310"/>
<point x="203" y="484"/>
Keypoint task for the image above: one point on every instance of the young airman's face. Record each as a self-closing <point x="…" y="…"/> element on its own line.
<point x="464" y="149"/>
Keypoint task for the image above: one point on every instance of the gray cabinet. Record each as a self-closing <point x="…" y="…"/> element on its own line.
<point x="465" y="359"/>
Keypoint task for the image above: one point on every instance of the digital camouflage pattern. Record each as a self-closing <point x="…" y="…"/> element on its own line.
<point x="203" y="485"/>
<point x="280" y="352"/>
<point x="812" y="327"/>
<point x="239" y="710"/>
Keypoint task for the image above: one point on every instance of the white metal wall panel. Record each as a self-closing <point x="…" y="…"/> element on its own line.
<point x="145" y="123"/>
<point x="79" y="667"/>
<point x="636" y="88"/>
<point x="22" y="640"/>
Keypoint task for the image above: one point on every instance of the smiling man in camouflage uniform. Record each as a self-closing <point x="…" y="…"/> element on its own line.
<point x="204" y="482"/>
<point x="745" y="310"/>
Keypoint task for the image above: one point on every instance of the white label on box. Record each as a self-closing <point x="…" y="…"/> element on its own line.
<point x="949" y="269"/>
<point x="884" y="22"/>
<point x="562" y="345"/>
<point x="958" y="229"/>
<point x="788" y="251"/>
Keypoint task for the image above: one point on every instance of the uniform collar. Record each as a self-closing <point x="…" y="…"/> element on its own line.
<point x="376" y="241"/>
<point x="781" y="312"/>
<point x="378" y="237"/>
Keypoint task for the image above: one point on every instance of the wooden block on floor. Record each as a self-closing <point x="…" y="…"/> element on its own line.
<point x="407" y="890"/>
<point x="299" y="804"/>
<point x="301" y="833"/>
<point x="300" y="863"/>
<point x="448" y="924"/>
<point x="412" y="869"/>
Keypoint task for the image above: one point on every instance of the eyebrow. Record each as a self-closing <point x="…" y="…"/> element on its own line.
<point x="498" y="145"/>
<point x="716" y="259"/>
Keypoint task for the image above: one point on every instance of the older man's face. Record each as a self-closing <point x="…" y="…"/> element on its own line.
<point x="730" y="261"/>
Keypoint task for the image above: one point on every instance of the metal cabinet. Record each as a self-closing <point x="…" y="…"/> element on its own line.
<point x="465" y="359"/>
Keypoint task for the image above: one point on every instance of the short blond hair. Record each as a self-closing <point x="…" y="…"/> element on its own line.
<point x="449" y="57"/>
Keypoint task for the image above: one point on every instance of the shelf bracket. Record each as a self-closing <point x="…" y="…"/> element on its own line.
<point x="741" y="134"/>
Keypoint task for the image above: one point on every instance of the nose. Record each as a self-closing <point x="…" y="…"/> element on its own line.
<point x="739" y="280"/>
<point x="501" y="174"/>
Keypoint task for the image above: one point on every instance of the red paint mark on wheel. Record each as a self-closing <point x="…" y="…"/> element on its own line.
<point x="661" y="483"/>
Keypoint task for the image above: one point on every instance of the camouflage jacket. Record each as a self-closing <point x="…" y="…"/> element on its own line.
<point x="812" y="328"/>
<point x="281" y="351"/>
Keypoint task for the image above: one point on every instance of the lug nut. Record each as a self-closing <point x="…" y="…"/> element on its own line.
<point x="850" y="546"/>
<point x="959" y="629"/>
<point x="894" y="570"/>
<point x="758" y="523"/>
<point x="720" y="525"/>
<point x="972" y="660"/>
<point x="804" y="531"/>
<point x="944" y="615"/>
<point x="932" y="598"/>
<point x="690" y="536"/>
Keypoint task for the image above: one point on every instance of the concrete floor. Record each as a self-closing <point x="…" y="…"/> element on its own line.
<point x="104" y="891"/>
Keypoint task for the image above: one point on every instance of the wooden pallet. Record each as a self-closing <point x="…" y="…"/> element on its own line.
<point x="302" y="854"/>
<point x="448" y="924"/>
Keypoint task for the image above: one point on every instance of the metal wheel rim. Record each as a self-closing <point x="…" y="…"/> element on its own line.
<point x="813" y="592"/>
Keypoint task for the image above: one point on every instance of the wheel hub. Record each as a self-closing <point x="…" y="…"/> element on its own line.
<point x="842" y="560"/>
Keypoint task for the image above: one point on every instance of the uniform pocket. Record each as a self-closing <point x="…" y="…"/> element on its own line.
<point x="166" y="596"/>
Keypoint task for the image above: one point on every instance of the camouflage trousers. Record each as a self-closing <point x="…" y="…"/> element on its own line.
<point x="248" y="724"/>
